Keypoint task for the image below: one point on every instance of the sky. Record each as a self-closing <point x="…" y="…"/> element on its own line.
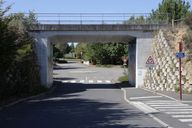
<point x="84" y="6"/>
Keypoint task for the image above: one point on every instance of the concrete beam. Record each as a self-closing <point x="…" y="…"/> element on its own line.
<point x="100" y="27"/>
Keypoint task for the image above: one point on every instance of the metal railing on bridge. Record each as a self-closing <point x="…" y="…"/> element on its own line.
<point x="99" y="18"/>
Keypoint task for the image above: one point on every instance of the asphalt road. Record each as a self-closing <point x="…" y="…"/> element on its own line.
<point x="78" y="105"/>
<point x="74" y="72"/>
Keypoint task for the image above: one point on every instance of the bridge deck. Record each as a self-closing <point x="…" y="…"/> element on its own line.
<point x="99" y="27"/>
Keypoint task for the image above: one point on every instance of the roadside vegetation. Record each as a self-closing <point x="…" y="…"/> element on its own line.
<point x="63" y="52"/>
<point x="102" y="54"/>
<point x="179" y="30"/>
<point x="123" y="79"/>
<point x="19" y="73"/>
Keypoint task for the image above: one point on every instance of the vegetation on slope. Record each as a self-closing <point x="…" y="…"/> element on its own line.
<point x="19" y="73"/>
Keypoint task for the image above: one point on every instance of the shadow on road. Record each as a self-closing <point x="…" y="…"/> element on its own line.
<point x="63" y="78"/>
<point x="66" y="108"/>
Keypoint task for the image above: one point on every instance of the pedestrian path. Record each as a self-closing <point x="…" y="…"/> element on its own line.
<point x="177" y="110"/>
<point x="164" y="106"/>
<point x="88" y="81"/>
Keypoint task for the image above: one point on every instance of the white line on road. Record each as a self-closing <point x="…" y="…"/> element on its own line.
<point x="160" y="94"/>
<point x="65" y="81"/>
<point x="162" y="101"/>
<point x="144" y="97"/>
<point x="72" y="81"/>
<point x="181" y="116"/>
<point x="168" y="105"/>
<point x="145" y="108"/>
<point x="151" y="115"/>
<point x="174" y="107"/>
<point x="107" y="81"/>
<point x="176" y="112"/>
<point x="91" y="81"/>
<point x="166" y="110"/>
<point x="99" y="81"/>
<point x="82" y="81"/>
<point x="185" y="120"/>
<point x="159" y="103"/>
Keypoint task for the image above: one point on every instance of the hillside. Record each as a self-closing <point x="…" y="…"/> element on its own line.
<point x="165" y="76"/>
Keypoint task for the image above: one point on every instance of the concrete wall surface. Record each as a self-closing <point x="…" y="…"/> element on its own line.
<point x="44" y="55"/>
<point x="132" y="63"/>
<point x="143" y="51"/>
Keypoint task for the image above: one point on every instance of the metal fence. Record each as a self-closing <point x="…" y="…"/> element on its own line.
<point x="98" y="18"/>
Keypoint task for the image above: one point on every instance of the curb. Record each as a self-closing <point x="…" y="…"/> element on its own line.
<point x="27" y="98"/>
<point x="149" y="114"/>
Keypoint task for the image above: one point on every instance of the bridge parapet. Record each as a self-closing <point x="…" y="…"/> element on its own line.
<point x="99" y="18"/>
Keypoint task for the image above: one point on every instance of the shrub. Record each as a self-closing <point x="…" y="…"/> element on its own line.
<point x="188" y="20"/>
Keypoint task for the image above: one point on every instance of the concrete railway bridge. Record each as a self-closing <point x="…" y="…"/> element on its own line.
<point x="95" y="27"/>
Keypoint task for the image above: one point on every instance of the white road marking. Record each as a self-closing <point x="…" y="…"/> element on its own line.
<point x="162" y="101"/>
<point x="168" y="105"/>
<point x="190" y="125"/>
<point x="145" y="108"/>
<point x="82" y="81"/>
<point x="176" y="112"/>
<point x="185" y="120"/>
<point x="159" y="103"/>
<point x="107" y="81"/>
<point x="181" y="116"/>
<point x="99" y="81"/>
<point x="166" y="110"/>
<point x="173" y="107"/>
<point x="152" y="116"/>
<point x="160" y="94"/>
<point x="65" y="81"/>
<point x="91" y="81"/>
<point x="72" y="81"/>
<point x="144" y="97"/>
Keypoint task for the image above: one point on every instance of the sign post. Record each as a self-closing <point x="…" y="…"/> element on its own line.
<point x="125" y="61"/>
<point x="150" y="63"/>
<point x="180" y="55"/>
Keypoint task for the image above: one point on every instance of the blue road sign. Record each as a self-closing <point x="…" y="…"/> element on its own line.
<point x="180" y="54"/>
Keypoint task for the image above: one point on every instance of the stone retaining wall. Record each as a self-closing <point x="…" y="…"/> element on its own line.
<point x="165" y="75"/>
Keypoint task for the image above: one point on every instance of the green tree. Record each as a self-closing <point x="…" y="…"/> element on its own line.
<point x="109" y="53"/>
<point x="59" y="50"/>
<point x="176" y="9"/>
<point x="188" y="20"/>
<point x="80" y="50"/>
<point x="135" y="20"/>
<point x="19" y="73"/>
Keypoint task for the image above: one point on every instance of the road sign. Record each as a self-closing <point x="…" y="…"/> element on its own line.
<point x="150" y="62"/>
<point x="180" y="54"/>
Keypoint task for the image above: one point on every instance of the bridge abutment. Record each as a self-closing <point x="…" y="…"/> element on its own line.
<point x="43" y="49"/>
<point x="143" y="51"/>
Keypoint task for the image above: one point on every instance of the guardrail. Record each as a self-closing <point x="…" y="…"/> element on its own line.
<point x="98" y="18"/>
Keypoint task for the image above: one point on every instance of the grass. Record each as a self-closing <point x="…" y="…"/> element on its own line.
<point x="123" y="79"/>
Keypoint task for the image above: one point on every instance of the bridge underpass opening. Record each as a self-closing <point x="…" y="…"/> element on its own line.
<point x="138" y="51"/>
<point x="95" y="28"/>
<point x="79" y="73"/>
